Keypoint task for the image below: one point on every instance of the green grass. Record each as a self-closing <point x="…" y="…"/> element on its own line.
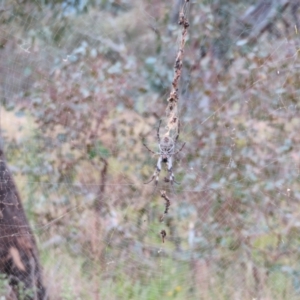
<point x="77" y="277"/>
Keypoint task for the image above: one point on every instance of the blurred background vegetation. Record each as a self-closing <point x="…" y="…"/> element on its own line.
<point x="84" y="83"/>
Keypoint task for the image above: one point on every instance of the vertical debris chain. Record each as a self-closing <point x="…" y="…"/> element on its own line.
<point x="172" y="106"/>
<point x="173" y="123"/>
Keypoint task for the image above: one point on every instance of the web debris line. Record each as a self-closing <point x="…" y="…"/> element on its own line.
<point x="172" y="106"/>
<point x="167" y="144"/>
<point x="163" y="194"/>
<point x="173" y="122"/>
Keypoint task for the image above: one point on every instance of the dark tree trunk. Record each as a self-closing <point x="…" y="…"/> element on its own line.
<point x="18" y="250"/>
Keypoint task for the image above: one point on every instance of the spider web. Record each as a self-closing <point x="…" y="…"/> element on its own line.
<point x="232" y="225"/>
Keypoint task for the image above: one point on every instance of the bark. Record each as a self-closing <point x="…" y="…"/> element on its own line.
<point x="18" y="250"/>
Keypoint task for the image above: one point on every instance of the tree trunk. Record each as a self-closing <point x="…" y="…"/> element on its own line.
<point x="18" y="250"/>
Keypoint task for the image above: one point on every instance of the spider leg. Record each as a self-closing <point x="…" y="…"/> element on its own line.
<point x="179" y="149"/>
<point x="170" y="170"/>
<point x="178" y="132"/>
<point x="149" y="149"/>
<point x="158" y="137"/>
<point x="168" y="180"/>
<point x="156" y="173"/>
<point x="176" y="182"/>
<point x="152" y="178"/>
<point x="170" y="166"/>
<point x="171" y="178"/>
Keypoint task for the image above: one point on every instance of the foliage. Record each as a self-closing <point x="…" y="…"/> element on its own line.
<point x="94" y="87"/>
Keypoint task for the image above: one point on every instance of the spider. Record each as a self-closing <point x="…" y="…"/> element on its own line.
<point x="166" y="147"/>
